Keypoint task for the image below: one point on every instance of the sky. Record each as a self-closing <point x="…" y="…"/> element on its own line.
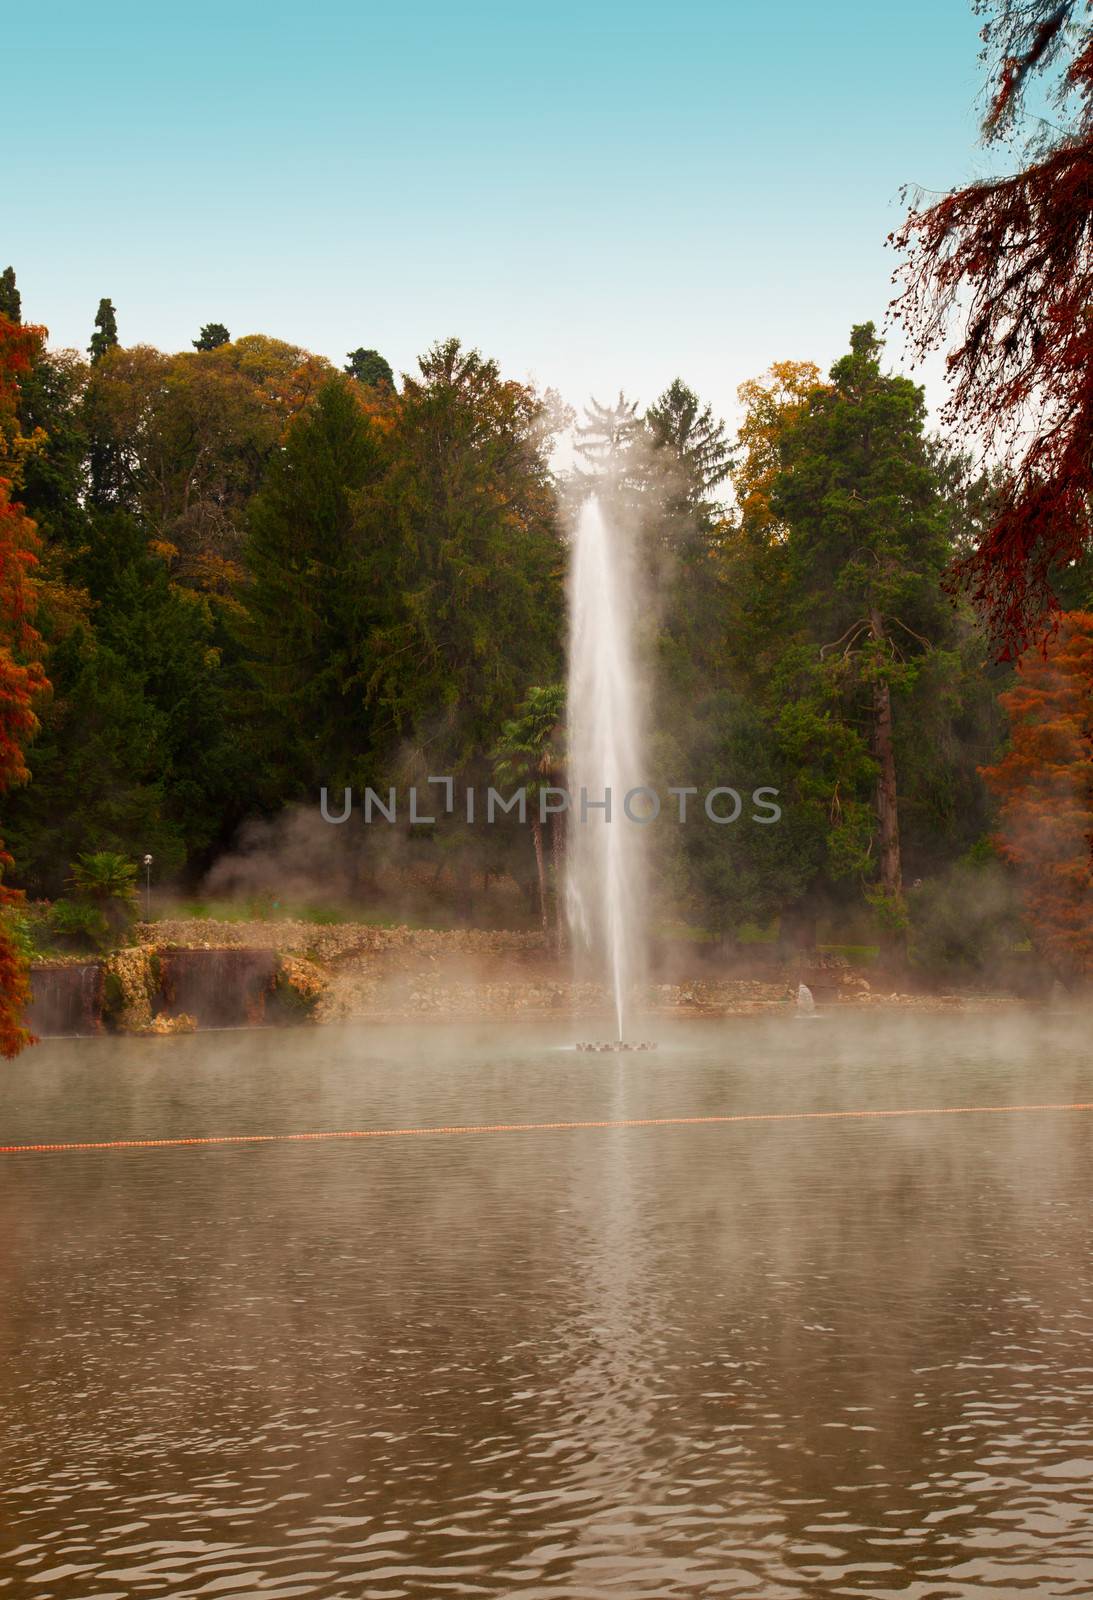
<point x="600" y="195"/>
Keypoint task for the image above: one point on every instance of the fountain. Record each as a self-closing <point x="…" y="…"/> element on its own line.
<point x="605" y="878"/>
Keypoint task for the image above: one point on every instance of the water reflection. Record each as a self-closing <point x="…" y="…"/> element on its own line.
<point x="769" y="1360"/>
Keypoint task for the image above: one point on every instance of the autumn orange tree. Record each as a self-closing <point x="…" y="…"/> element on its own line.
<point x="1013" y="256"/>
<point x="21" y="676"/>
<point x="771" y="404"/>
<point x="183" y="441"/>
<point x="1045" y="784"/>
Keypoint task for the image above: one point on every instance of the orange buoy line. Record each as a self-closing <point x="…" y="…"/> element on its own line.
<point x="535" y="1127"/>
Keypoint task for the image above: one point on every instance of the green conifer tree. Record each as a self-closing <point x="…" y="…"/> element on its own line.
<point x="11" y="305"/>
<point x="105" y="336"/>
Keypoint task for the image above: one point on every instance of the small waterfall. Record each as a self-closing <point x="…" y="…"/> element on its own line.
<point x="66" y="999"/>
<point x="605" y="881"/>
<point x="218" y="988"/>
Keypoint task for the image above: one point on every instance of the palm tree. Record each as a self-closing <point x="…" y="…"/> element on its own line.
<point x="529" y="754"/>
<point x="107" y="881"/>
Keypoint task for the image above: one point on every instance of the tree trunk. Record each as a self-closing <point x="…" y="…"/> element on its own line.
<point x="891" y="869"/>
<point x="557" y="856"/>
<point x="540" y="865"/>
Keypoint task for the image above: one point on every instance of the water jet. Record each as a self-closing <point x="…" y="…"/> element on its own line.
<point x="605" y="888"/>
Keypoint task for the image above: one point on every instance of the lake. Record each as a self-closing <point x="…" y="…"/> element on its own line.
<point x="763" y="1358"/>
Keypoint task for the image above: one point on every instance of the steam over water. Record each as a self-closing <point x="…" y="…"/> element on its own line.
<point x="604" y="861"/>
<point x="771" y="1361"/>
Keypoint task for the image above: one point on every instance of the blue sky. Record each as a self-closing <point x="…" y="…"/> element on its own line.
<point x="601" y="195"/>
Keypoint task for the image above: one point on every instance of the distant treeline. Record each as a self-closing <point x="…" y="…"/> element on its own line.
<point x="258" y="574"/>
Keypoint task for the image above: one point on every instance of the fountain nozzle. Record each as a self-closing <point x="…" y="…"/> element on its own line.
<point x="614" y="1046"/>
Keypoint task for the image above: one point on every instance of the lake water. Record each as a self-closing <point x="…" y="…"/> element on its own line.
<point x="757" y="1359"/>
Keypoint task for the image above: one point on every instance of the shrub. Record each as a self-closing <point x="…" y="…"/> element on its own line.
<point x="76" y="926"/>
<point x="966" y="921"/>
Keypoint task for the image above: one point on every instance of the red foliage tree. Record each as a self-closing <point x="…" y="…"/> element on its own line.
<point x="1016" y="253"/>
<point x="1045" y="782"/>
<point x="22" y="678"/>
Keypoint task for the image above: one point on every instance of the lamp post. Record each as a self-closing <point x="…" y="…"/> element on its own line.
<point x="147" y="888"/>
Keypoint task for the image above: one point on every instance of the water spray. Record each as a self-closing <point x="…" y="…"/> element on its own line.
<point x="605" y="877"/>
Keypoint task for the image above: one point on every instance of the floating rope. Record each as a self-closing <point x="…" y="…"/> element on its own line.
<point x="532" y="1127"/>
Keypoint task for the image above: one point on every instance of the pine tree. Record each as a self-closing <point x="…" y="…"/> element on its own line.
<point x="307" y="603"/>
<point x="463" y="554"/>
<point x="610" y="441"/>
<point x="689" y="434"/>
<point x="212" y="336"/>
<point x="11" y="305"/>
<point x="866" y="549"/>
<point x="105" y="336"/>
<point x="133" y="752"/>
<point x="370" y="369"/>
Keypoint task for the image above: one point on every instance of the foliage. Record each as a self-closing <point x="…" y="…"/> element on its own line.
<point x="212" y="336"/>
<point x="771" y="403"/>
<point x="106" y="881"/>
<point x="105" y="336"/>
<point x="530" y="749"/>
<point x="183" y="442"/>
<point x="965" y="921"/>
<point x="22" y="677"/>
<point x="370" y="369"/>
<point x="307" y="603"/>
<point x="693" y="440"/>
<point x="11" y="305"/>
<point x="844" y="509"/>
<point x="529" y="755"/>
<point x="252" y="576"/>
<point x="1014" y="255"/>
<point x="613" y="445"/>
<point x="79" y="925"/>
<point x="1045" y="784"/>
<point x="133" y="754"/>
<point x="51" y="411"/>
<point x="461" y="552"/>
<point x="98" y="769"/>
<point x="866" y="546"/>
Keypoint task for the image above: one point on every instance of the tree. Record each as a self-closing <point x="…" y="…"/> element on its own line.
<point x="133" y="753"/>
<point x="867" y="545"/>
<point x="11" y="305"/>
<point x="743" y="692"/>
<point x="99" y="764"/>
<point x="529" y="756"/>
<point x="1045" y="784"/>
<point x="54" y="480"/>
<point x="212" y="336"/>
<point x="771" y="404"/>
<point x="681" y="521"/>
<point x="307" y="604"/>
<point x="22" y="677"/>
<point x="370" y="369"/>
<point x="105" y="336"/>
<point x="611" y="440"/>
<point x="463" y="555"/>
<point x="107" y="880"/>
<point x="1014" y="256"/>
<point x="183" y="442"/>
<point x="688" y="433"/>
